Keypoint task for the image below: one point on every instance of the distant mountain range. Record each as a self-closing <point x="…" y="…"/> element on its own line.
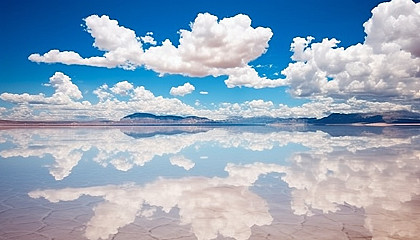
<point x="394" y="117"/>
<point x="169" y="119"/>
<point x="147" y="119"/>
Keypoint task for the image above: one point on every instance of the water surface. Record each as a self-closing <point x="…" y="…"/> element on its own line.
<point x="210" y="183"/>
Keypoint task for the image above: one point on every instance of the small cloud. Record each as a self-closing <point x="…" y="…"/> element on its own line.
<point x="183" y="90"/>
<point x="181" y="161"/>
<point x="204" y="92"/>
<point x="204" y="157"/>
<point x="122" y="88"/>
<point x="149" y="39"/>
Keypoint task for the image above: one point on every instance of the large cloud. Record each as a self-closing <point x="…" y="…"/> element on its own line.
<point x="211" y="48"/>
<point x="386" y="65"/>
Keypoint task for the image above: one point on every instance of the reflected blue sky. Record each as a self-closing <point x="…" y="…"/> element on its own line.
<point x="208" y="183"/>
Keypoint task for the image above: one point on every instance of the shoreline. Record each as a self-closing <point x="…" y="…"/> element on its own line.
<point x="80" y="124"/>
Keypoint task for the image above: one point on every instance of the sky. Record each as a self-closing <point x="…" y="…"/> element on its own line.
<point x="104" y="60"/>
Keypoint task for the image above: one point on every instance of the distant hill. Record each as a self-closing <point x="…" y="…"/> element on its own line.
<point x="340" y="118"/>
<point x="148" y="118"/>
<point x="140" y="119"/>
<point x="394" y="117"/>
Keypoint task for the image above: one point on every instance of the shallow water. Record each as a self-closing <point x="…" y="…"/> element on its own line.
<point x="210" y="183"/>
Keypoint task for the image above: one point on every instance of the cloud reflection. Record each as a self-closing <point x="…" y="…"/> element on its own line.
<point x="378" y="172"/>
<point x="210" y="206"/>
<point x="381" y="176"/>
<point x="67" y="146"/>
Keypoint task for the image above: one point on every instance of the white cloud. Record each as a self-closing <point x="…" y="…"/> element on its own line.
<point x="122" y="88"/>
<point x="385" y="66"/>
<point x="318" y="107"/>
<point x="183" y="90"/>
<point x="64" y="86"/>
<point x="102" y="92"/>
<point x="149" y="39"/>
<point x="120" y="44"/>
<point x="211" y="48"/>
<point x="65" y="93"/>
<point x="63" y="104"/>
<point x="395" y="23"/>
<point x="124" y="98"/>
<point x="204" y="92"/>
<point x="248" y="77"/>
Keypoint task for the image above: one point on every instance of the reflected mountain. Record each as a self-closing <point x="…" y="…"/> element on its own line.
<point x="340" y="131"/>
<point x="208" y="206"/>
<point x="151" y="131"/>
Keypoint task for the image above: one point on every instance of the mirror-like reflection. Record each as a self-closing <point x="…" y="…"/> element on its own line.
<point x="211" y="206"/>
<point x="207" y="183"/>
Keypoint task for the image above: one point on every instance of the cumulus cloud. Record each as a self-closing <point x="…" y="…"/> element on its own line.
<point x="210" y="48"/>
<point x="122" y="88"/>
<point x="124" y="98"/>
<point x="385" y="65"/>
<point x="319" y="107"/>
<point x="121" y="46"/>
<point x="149" y="39"/>
<point x="182" y="90"/>
<point x="63" y="85"/>
<point x="65" y="92"/>
<point x="66" y="102"/>
<point x="248" y="77"/>
<point x="204" y="92"/>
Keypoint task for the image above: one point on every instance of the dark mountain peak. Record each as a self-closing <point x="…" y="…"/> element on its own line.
<point x="151" y="118"/>
<point x="401" y="116"/>
<point x="140" y="115"/>
<point x="342" y="118"/>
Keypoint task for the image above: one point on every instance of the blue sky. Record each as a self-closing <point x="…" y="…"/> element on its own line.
<point x="357" y="74"/>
